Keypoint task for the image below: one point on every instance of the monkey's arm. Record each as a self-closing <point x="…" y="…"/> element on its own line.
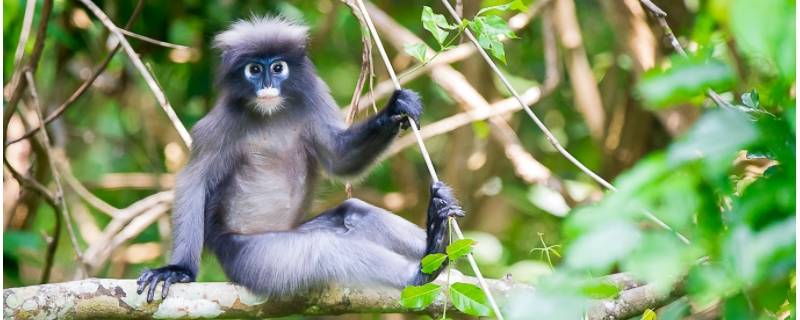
<point x="187" y="241"/>
<point x="350" y="151"/>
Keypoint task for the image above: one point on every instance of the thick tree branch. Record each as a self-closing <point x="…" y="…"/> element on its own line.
<point x="110" y="298"/>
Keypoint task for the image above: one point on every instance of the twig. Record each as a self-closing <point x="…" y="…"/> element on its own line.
<point x="30" y="183"/>
<point x="139" y="65"/>
<point x="33" y="61"/>
<point x="500" y="108"/>
<point x="154" y="41"/>
<point x="552" y="70"/>
<point x="85" y="85"/>
<point x="135" y="180"/>
<point x="366" y="72"/>
<point x="50" y="253"/>
<point x="49" y="198"/>
<point x="426" y="156"/>
<point x="62" y="205"/>
<point x="99" y="251"/>
<point x="661" y="17"/>
<point x="24" y="34"/>
<point x="587" y="98"/>
<point x="84" y="193"/>
<point x="460" y="52"/>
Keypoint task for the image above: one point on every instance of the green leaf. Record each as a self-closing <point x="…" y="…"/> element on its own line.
<point x="16" y="242"/>
<point x="459" y="248"/>
<point x="488" y="30"/>
<point x="716" y="138"/>
<point x="601" y="247"/>
<point x="417" y="50"/>
<point x="432" y="262"/>
<point x="765" y="32"/>
<point x="686" y="79"/>
<point x="750" y="99"/>
<point x="418" y="297"/>
<point x="435" y="24"/>
<point x="599" y="289"/>
<point x="515" y="5"/>
<point x="496" y="26"/>
<point x="649" y="315"/>
<point x="469" y="299"/>
<point x="659" y="259"/>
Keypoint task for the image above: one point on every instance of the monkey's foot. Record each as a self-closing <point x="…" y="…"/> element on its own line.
<point x="443" y="203"/>
<point x="169" y="274"/>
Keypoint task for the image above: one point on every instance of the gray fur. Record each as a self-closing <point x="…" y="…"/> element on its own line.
<point x="251" y="178"/>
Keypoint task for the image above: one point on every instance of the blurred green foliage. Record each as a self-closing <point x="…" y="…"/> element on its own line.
<point x="742" y="229"/>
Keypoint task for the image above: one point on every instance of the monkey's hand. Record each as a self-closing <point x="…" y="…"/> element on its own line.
<point x="404" y="104"/>
<point x="169" y="274"/>
<point x="443" y="204"/>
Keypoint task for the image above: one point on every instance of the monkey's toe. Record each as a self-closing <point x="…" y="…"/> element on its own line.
<point x="445" y="204"/>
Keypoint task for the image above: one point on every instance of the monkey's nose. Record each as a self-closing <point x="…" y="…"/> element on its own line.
<point x="269" y="92"/>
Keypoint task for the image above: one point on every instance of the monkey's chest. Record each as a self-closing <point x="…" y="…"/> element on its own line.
<point x="271" y="192"/>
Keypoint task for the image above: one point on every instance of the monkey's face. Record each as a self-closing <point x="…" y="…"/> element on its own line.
<point x="266" y="77"/>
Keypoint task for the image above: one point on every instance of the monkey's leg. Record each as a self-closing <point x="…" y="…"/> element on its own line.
<point x="358" y="219"/>
<point x="290" y="262"/>
<point x="441" y="207"/>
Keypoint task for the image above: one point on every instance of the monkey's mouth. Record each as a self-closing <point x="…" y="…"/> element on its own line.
<point x="268" y="100"/>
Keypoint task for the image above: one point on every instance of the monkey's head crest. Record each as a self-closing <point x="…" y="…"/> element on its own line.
<point x="258" y="57"/>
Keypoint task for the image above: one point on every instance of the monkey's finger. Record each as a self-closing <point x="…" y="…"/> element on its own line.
<point x="153" y="284"/>
<point x="142" y="281"/>
<point x="167" y="282"/>
<point x="457" y="212"/>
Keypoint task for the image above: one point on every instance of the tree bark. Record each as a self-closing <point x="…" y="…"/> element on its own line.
<point x="117" y="299"/>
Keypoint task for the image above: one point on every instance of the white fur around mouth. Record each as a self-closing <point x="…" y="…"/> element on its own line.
<point x="268" y="101"/>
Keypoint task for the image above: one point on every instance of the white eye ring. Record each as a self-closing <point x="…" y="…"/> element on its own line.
<point x="252" y="69"/>
<point x="279" y="67"/>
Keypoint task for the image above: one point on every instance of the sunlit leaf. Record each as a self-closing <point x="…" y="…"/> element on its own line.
<point x="600" y="290"/>
<point x="432" y="262"/>
<point x="436" y="24"/>
<point x="488" y="30"/>
<point x="469" y="299"/>
<point x="417" y="50"/>
<point x="459" y="248"/>
<point x="418" y="297"/>
<point x="765" y="30"/>
<point x="649" y="315"/>
<point x="514" y="5"/>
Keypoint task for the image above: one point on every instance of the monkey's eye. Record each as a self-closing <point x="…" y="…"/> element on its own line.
<point x="279" y="67"/>
<point x="253" y="69"/>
